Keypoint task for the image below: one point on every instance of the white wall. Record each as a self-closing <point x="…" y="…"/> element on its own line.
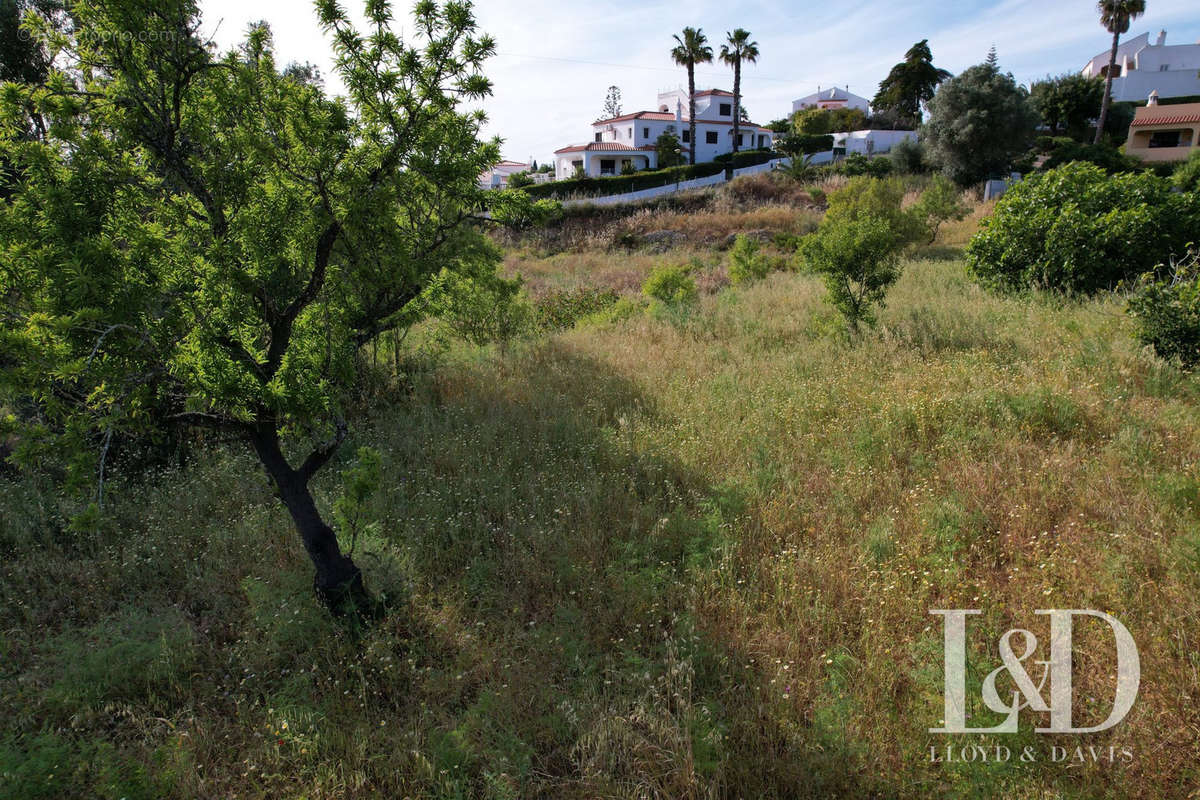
<point x="871" y="142"/>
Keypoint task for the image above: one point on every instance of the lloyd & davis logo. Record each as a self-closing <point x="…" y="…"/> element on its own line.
<point x="1026" y="694"/>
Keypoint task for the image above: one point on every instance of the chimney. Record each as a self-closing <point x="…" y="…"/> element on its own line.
<point x="1153" y="99"/>
<point x="1162" y="39"/>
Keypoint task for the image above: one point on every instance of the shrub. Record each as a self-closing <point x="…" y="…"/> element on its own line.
<point x="671" y="286"/>
<point x="519" y="180"/>
<point x="746" y="261"/>
<point x="481" y="308"/>
<point x="1105" y="156"/>
<point x="622" y="184"/>
<point x="1078" y="229"/>
<point x="1166" y="313"/>
<point x="857" y="164"/>
<point x="1187" y="174"/>
<point x="941" y="202"/>
<point x="881" y="199"/>
<point x="560" y="310"/>
<point x="909" y="156"/>
<point x="859" y="259"/>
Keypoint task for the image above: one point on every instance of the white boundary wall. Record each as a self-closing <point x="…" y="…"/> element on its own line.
<point x="696" y="183"/>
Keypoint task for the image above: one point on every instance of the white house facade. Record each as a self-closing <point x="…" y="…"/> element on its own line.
<point x="829" y="99"/>
<point x="1142" y="68"/>
<point x="628" y="141"/>
<point x="870" y="142"/>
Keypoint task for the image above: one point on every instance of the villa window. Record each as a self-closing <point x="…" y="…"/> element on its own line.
<point x="1166" y="138"/>
<point x="599" y="136"/>
<point x="608" y="166"/>
<point x="687" y="136"/>
<point x="741" y="139"/>
<point x="726" y="110"/>
<point x="645" y="133"/>
<point x="711" y="137"/>
<point x="1164" y="67"/>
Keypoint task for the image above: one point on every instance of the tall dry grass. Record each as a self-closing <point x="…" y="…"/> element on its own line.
<point x="686" y="555"/>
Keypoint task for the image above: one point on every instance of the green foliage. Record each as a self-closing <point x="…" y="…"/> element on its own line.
<point x="359" y="484"/>
<point x="480" y="308"/>
<point x="747" y="263"/>
<point x="1166" y="312"/>
<point x="796" y="144"/>
<point x="519" y="180"/>
<point x="670" y="151"/>
<point x="206" y="240"/>
<point x="1187" y="174"/>
<point x="908" y="157"/>
<point x="1103" y="155"/>
<point x="136" y="656"/>
<point x="812" y="122"/>
<point x="859" y="259"/>
<point x="622" y="184"/>
<point x="856" y="164"/>
<point x="877" y="199"/>
<point x="1068" y="103"/>
<point x="673" y="286"/>
<point x="940" y="202"/>
<point x="978" y="123"/>
<point x="1077" y="229"/>
<point x="560" y="310"/>
<point x="519" y="210"/>
<point x="910" y="85"/>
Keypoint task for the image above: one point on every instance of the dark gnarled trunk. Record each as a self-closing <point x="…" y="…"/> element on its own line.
<point x="338" y="580"/>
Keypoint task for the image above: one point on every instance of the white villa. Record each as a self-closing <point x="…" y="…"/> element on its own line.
<point x="1142" y="67"/>
<point x="829" y="99"/>
<point x="628" y="140"/>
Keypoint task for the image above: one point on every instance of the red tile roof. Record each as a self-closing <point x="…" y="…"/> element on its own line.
<point x="656" y="115"/>
<point x="1167" y="115"/>
<point x="604" y="147"/>
<point x="720" y="92"/>
<point x="1176" y="120"/>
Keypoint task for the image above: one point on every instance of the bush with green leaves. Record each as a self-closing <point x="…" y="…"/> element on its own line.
<point x="1103" y="155"/>
<point x="881" y="199"/>
<point x="940" y="202"/>
<point x="1187" y="174"/>
<point x="908" y="157"/>
<point x="856" y="164"/>
<point x="672" y="286"/>
<point x="481" y="308"/>
<point x="1077" y="229"/>
<point x="859" y="258"/>
<point x="560" y="310"/>
<point x="1166" y="312"/>
<point x="747" y="263"/>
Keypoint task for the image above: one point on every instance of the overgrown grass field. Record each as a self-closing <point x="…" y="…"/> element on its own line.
<point x="684" y="554"/>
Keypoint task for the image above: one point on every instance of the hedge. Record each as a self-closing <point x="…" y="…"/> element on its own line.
<point x="648" y="179"/>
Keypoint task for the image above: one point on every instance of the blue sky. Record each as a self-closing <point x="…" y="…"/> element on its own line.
<point x="556" y="59"/>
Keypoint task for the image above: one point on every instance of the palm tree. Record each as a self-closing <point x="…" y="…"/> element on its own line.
<point x="692" y="49"/>
<point x="738" y="48"/>
<point x="1115" y="16"/>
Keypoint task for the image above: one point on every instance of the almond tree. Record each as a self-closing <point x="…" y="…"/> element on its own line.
<point x="210" y="242"/>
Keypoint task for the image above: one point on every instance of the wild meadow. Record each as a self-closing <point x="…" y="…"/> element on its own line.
<point x="666" y="553"/>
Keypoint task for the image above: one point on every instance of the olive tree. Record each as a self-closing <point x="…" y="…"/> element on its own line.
<point x="206" y="240"/>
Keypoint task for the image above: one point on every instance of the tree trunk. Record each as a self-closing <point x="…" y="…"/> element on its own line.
<point x="737" y="103"/>
<point x="338" y="580"/>
<point x="692" y="112"/>
<point x="1108" y="79"/>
